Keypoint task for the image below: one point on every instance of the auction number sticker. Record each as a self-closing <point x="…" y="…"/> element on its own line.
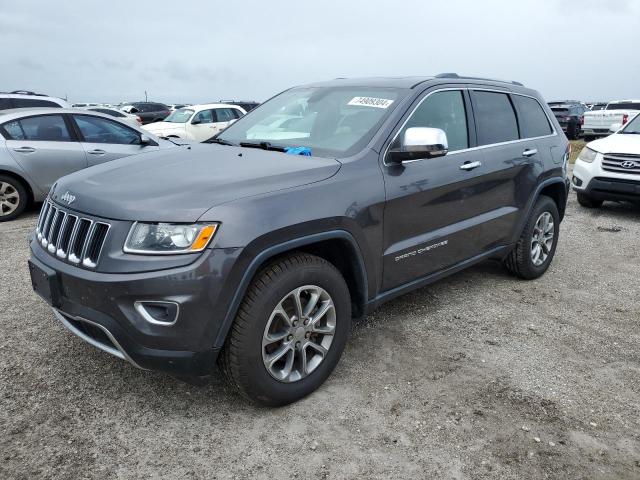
<point x="370" y="102"/>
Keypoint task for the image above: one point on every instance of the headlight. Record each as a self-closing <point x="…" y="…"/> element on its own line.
<point x="168" y="238"/>
<point x="587" y="155"/>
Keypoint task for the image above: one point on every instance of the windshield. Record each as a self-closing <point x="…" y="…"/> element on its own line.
<point x="331" y="121"/>
<point x="633" y="126"/>
<point x="182" y="115"/>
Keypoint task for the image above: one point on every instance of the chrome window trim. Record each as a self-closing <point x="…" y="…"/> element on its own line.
<point x="479" y="147"/>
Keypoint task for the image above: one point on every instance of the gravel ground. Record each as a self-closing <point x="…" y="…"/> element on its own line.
<point x="477" y="376"/>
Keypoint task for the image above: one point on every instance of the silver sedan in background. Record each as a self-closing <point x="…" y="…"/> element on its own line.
<point x="40" y="145"/>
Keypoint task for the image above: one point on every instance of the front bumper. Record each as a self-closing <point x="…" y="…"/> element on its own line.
<point x="100" y="309"/>
<point x="592" y="180"/>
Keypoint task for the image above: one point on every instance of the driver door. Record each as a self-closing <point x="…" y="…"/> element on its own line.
<point x="203" y="125"/>
<point x="104" y="140"/>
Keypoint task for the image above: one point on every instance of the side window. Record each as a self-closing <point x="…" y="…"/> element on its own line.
<point x="237" y="113"/>
<point x="49" y="128"/>
<point x="444" y="110"/>
<point x="5" y="103"/>
<point x="533" y="120"/>
<point x="205" y="116"/>
<point x="225" y="114"/>
<point x="33" y="102"/>
<point x="101" y="130"/>
<point x="495" y="118"/>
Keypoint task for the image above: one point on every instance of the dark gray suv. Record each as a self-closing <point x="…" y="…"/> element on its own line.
<point x="255" y="251"/>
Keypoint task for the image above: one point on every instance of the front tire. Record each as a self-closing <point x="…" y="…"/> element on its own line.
<point x="290" y="330"/>
<point x="588" y="202"/>
<point x="13" y="198"/>
<point x="536" y="246"/>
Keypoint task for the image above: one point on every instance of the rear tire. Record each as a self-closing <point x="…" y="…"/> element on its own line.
<point x="13" y="198"/>
<point x="589" y="202"/>
<point x="536" y="246"/>
<point x="261" y="331"/>
<point x="574" y="132"/>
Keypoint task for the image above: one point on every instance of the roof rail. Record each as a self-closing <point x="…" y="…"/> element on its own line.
<point x="455" y="75"/>
<point x="27" y="92"/>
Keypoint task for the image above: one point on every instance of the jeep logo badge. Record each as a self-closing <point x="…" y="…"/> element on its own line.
<point x="628" y="164"/>
<point x="67" y="197"/>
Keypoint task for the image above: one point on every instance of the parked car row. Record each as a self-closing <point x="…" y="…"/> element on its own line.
<point x="593" y="120"/>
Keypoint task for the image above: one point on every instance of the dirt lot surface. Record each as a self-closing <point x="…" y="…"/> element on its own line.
<point x="477" y="376"/>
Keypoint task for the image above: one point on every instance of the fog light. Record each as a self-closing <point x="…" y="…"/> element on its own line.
<point x="576" y="181"/>
<point x="158" y="313"/>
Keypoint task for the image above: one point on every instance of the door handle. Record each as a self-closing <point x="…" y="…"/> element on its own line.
<point x="97" y="151"/>
<point x="24" y="149"/>
<point x="470" y="165"/>
<point x="529" y="152"/>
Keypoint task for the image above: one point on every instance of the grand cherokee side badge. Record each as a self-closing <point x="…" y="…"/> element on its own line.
<point x="68" y="197"/>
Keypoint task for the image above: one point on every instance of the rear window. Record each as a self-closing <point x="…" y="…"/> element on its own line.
<point x="560" y="111"/>
<point x="624" y="106"/>
<point x="5" y="103"/>
<point x="33" y="102"/>
<point x="107" y="111"/>
<point x="533" y="120"/>
<point x="495" y="118"/>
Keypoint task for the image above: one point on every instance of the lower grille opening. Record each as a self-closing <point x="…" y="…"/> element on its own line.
<point x="91" y="331"/>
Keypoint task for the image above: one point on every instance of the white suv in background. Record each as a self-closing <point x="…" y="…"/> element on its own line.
<point x="25" y="99"/>
<point x="196" y="122"/>
<point x="609" y="168"/>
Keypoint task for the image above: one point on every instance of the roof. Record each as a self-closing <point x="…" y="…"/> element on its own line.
<point x="205" y="106"/>
<point x="13" y="113"/>
<point x="411" y="82"/>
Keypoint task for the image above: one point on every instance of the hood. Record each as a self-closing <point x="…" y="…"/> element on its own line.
<point x="617" y="143"/>
<point x="180" y="184"/>
<point x="163" y="126"/>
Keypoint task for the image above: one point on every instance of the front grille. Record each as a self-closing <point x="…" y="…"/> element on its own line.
<point x="75" y="239"/>
<point x="613" y="162"/>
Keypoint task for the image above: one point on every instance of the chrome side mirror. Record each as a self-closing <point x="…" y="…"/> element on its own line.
<point x="418" y="143"/>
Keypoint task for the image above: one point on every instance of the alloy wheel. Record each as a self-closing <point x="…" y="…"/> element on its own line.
<point x="299" y="333"/>
<point x="9" y="199"/>
<point x="542" y="239"/>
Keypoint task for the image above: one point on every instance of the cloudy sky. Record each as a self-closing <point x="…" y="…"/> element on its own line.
<point x="194" y="51"/>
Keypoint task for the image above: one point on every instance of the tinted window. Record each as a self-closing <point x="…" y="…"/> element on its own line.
<point x="44" y="128"/>
<point x="237" y="112"/>
<point x="624" y="106"/>
<point x="101" y="130"/>
<point x="533" y="120"/>
<point x="107" y="111"/>
<point x="225" y="114"/>
<point x="5" y="103"/>
<point x="205" y="116"/>
<point x="444" y="110"/>
<point x="495" y="119"/>
<point x="33" y="102"/>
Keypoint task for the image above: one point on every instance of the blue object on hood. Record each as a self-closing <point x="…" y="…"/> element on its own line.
<point x="305" y="151"/>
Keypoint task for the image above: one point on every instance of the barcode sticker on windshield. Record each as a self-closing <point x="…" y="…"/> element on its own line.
<point x="370" y="102"/>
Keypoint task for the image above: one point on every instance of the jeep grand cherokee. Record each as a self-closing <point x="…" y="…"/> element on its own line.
<point x="256" y="251"/>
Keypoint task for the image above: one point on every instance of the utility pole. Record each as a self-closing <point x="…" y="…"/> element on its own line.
<point x="145" y="96"/>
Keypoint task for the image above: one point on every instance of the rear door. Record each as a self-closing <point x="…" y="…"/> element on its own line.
<point x="224" y="117"/>
<point x="45" y="147"/>
<point x="513" y="152"/>
<point x="105" y="140"/>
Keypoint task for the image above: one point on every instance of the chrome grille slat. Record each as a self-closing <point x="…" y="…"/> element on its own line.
<point x="72" y="238"/>
<point x="613" y="163"/>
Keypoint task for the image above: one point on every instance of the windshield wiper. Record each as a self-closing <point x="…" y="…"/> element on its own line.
<point x="263" y="146"/>
<point x="220" y="141"/>
<point x="169" y="140"/>
<point x="630" y="133"/>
